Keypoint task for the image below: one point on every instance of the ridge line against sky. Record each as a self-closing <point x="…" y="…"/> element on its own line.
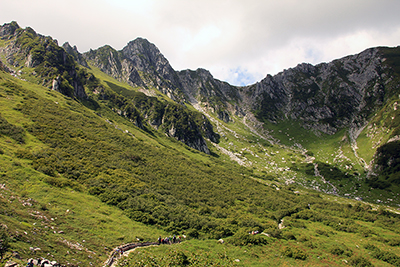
<point x="237" y="41"/>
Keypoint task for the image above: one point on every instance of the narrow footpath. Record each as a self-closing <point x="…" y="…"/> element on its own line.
<point x="124" y="250"/>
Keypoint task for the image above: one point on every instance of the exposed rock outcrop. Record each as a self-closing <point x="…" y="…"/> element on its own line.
<point x="51" y="62"/>
<point x="199" y="86"/>
<point x="139" y="64"/>
<point x="325" y="97"/>
<point x="8" y="30"/>
<point x="73" y="51"/>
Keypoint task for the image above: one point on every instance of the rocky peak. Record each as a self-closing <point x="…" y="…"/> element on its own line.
<point x="50" y="61"/>
<point x="73" y="51"/>
<point x="200" y="87"/>
<point x="144" y="56"/>
<point x="200" y="84"/>
<point x="107" y="59"/>
<point x="139" y="64"/>
<point x="145" y="50"/>
<point x="8" y="29"/>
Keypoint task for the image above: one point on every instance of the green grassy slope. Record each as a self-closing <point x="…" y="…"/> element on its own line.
<point x="345" y="165"/>
<point x="78" y="182"/>
<point x="51" y="213"/>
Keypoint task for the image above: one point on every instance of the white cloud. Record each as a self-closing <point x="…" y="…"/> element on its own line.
<point x="238" y="41"/>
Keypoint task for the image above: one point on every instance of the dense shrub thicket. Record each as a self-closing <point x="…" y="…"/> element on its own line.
<point x="152" y="185"/>
<point x="388" y="160"/>
<point x="386" y="256"/>
<point x="15" y="132"/>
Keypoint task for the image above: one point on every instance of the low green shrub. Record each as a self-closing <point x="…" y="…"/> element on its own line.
<point x="275" y="233"/>
<point x="394" y="242"/>
<point x="294" y="253"/>
<point x="15" y="132"/>
<point x="244" y="238"/>
<point x="359" y="261"/>
<point x="322" y="232"/>
<point x="341" y="250"/>
<point x="386" y="256"/>
<point x="288" y="235"/>
<point x="4" y="242"/>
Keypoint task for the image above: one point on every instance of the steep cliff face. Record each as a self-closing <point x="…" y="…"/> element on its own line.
<point x="325" y="97"/>
<point x="56" y="68"/>
<point x="145" y="58"/>
<point x="73" y="51"/>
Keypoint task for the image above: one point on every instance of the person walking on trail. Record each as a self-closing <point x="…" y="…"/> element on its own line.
<point x="30" y="264"/>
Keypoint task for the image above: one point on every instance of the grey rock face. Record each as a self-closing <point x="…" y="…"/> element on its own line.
<point x="140" y="64"/>
<point x="325" y="97"/>
<point x="145" y="57"/>
<point x="8" y="29"/>
<point x="107" y="59"/>
<point x="200" y="84"/>
<point x="44" y="54"/>
<point x="4" y="67"/>
<point x="73" y="51"/>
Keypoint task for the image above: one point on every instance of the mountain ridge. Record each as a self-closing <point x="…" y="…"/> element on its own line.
<point x="200" y="85"/>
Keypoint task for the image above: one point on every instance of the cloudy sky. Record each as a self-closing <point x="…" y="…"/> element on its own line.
<point x="239" y="41"/>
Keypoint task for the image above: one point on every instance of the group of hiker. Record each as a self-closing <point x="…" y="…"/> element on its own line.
<point x="120" y="250"/>
<point x="169" y="240"/>
<point x="42" y="263"/>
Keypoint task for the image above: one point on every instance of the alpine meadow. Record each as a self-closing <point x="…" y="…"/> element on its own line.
<point x="111" y="149"/>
